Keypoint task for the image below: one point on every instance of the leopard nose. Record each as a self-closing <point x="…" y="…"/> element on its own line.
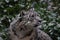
<point x="37" y="24"/>
<point x="39" y="21"/>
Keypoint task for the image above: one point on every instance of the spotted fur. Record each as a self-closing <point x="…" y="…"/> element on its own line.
<point x="25" y="27"/>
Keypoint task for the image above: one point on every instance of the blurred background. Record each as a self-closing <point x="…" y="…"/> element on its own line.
<point x="49" y="11"/>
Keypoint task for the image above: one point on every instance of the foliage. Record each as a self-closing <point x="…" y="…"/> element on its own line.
<point x="48" y="9"/>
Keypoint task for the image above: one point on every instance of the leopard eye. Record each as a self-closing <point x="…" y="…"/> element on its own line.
<point x="32" y="15"/>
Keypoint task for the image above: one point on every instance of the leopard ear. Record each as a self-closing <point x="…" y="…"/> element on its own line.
<point x="23" y="13"/>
